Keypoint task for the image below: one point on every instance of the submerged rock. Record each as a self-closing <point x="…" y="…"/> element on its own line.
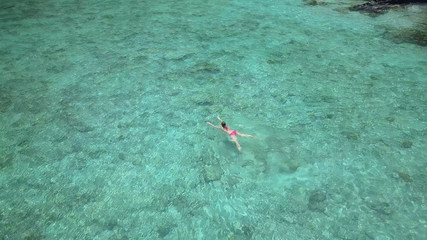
<point x="5" y="100"/>
<point x="377" y="7"/>
<point x="314" y="3"/>
<point x="5" y="160"/>
<point x="405" y="176"/>
<point x="416" y="35"/>
<point x="381" y="207"/>
<point x="352" y="136"/>
<point x="212" y="173"/>
<point x="407" y="144"/>
<point x="316" y="201"/>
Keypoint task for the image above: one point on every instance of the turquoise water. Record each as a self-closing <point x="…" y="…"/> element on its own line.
<point x="104" y="104"/>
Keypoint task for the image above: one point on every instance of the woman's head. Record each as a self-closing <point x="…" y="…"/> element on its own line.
<point x="223" y="125"/>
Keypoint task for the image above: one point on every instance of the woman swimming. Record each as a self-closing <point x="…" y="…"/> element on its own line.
<point x="232" y="133"/>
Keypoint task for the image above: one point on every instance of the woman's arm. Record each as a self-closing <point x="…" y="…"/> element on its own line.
<point x="219" y="118"/>
<point x="213" y="125"/>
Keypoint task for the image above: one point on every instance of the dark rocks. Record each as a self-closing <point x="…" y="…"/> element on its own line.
<point x="314" y="3"/>
<point x="377" y="7"/>
<point x="372" y="8"/>
<point x="381" y="207"/>
<point x="165" y="230"/>
<point x="390" y="119"/>
<point x="6" y="160"/>
<point x="352" y="136"/>
<point x="5" y="100"/>
<point x="212" y="173"/>
<point x="317" y="201"/>
<point x="404" y="176"/>
<point x="416" y="35"/>
<point x="407" y="144"/>
<point x="207" y="67"/>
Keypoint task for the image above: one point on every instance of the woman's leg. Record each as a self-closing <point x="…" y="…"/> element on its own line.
<point x="234" y="139"/>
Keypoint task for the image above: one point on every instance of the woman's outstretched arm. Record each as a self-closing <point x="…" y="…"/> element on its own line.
<point x="213" y="125"/>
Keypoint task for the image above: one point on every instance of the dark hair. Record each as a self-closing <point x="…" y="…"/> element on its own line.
<point x="223" y="124"/>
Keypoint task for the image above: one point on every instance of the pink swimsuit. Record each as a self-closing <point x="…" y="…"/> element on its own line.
<point x="233" y="133"/>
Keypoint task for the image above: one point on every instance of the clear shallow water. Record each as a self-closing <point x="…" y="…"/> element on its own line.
<point x="103" y="130"/>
